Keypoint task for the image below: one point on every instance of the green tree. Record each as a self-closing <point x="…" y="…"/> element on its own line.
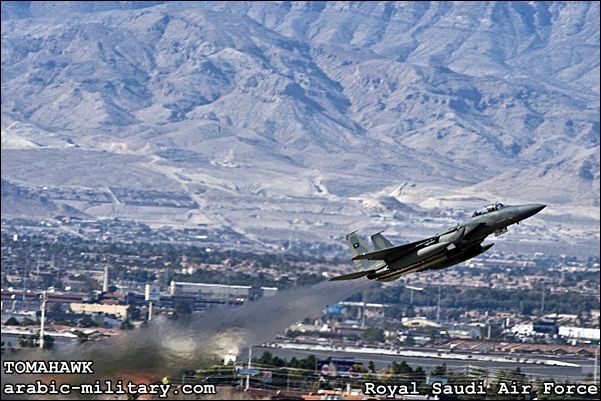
<point x="48" y="342"/>
<point x="374" y="335"/>
<point x="87" y="321"/>
<point x="135" y="313"/>
<point x="309" y="363"/>
<point x="265" y="359"/>
<point x="440" y="370"/>
<point x="506" y="377"/>
<point x="56" y="312"/>
<point x="127" y="325"/>
<point x="401" y="368"/>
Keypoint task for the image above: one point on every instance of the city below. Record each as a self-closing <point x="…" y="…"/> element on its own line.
<point x="528" y="317"/>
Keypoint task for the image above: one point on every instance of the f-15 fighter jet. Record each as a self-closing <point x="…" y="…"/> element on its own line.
<point x="386" y="262"/>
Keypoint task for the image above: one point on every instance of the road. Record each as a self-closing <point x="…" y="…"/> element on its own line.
<point x="568" y="373"/>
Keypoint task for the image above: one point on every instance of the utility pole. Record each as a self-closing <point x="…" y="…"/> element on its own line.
<point x="438" y="306"/>
<point x="596" y="370"/>
<point x="363" y="316"/>
<point x="42" y="319"/>
<point x="250" y="355"/>
<point x="105" y="279"/>
<point x="24" y="279"/>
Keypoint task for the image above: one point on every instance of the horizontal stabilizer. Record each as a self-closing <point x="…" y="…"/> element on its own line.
<point x="352" y="276"/>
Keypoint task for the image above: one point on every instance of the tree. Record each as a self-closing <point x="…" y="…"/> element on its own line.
<point x="371" y="367"/>
<point x="183" y="307"/>
<point x="440" y="370"/>
<point x="279" y="362"/>
<point x="48" y="341"/>
<point x="87" y="321"/>
<point x="127" y="325"/>
<point x="56" y="312"/>
<point x="293" y="333"/>
<point x="135" y="313"/>
<point x="401" y="368"/>
<point x="12" y="321"/>
<point x="308" y="363"/>
<point x="23" y="341"/>
<point x="419" y="376"/>
<point x="374" y="335"/>
<point x="505" y="377"/>
<point x="265" y="359"/>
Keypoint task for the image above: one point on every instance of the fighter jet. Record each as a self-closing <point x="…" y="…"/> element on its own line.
<point x="386" y="262"/>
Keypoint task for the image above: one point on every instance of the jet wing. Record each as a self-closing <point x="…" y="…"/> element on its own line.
<point x="396" y="276"/>
<point x="394" y="252"/>
<point x="352" y="276"/>
<point x="472" y="230"/>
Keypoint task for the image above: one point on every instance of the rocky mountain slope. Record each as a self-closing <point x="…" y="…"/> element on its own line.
<point x="307" y="119"/>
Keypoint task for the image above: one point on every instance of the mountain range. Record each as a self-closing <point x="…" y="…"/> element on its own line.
<point x="303" y="120"/>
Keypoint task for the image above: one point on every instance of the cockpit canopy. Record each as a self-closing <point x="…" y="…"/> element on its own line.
<point x="488" y="209"/>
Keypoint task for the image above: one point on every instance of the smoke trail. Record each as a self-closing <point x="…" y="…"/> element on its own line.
<point x="200" y="339"/>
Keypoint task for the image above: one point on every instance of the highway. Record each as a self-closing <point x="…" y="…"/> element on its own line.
<point x="584" y="366"/>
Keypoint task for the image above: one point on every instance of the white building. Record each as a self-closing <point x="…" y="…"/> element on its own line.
<point x="218" y="291"/>
<point x="523" y="329"/>
<point x="581" y="333"/>
<point x="89" y="309"/>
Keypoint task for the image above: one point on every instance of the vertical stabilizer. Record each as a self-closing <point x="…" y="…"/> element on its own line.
<point x="381" y="242"/>
<point x="358" y="246"/>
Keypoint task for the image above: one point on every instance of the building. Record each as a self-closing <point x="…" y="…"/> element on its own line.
<point x="546" y="327"/>
<point x="523" y="329"/>
<point x="579" y="333"/>
<point x="539" y="328"/>
<point x="89" y="309"/>
<point x="220" y="292"/>
<point x="419" y="322"/>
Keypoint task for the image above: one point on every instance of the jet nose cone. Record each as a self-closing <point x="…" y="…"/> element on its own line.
<point x="530" y="210"/>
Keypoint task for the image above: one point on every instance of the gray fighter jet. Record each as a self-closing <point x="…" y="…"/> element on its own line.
<point x="386" y="262"/>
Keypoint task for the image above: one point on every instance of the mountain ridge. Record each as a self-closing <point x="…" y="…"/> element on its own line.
<point x="323" y="101"/>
